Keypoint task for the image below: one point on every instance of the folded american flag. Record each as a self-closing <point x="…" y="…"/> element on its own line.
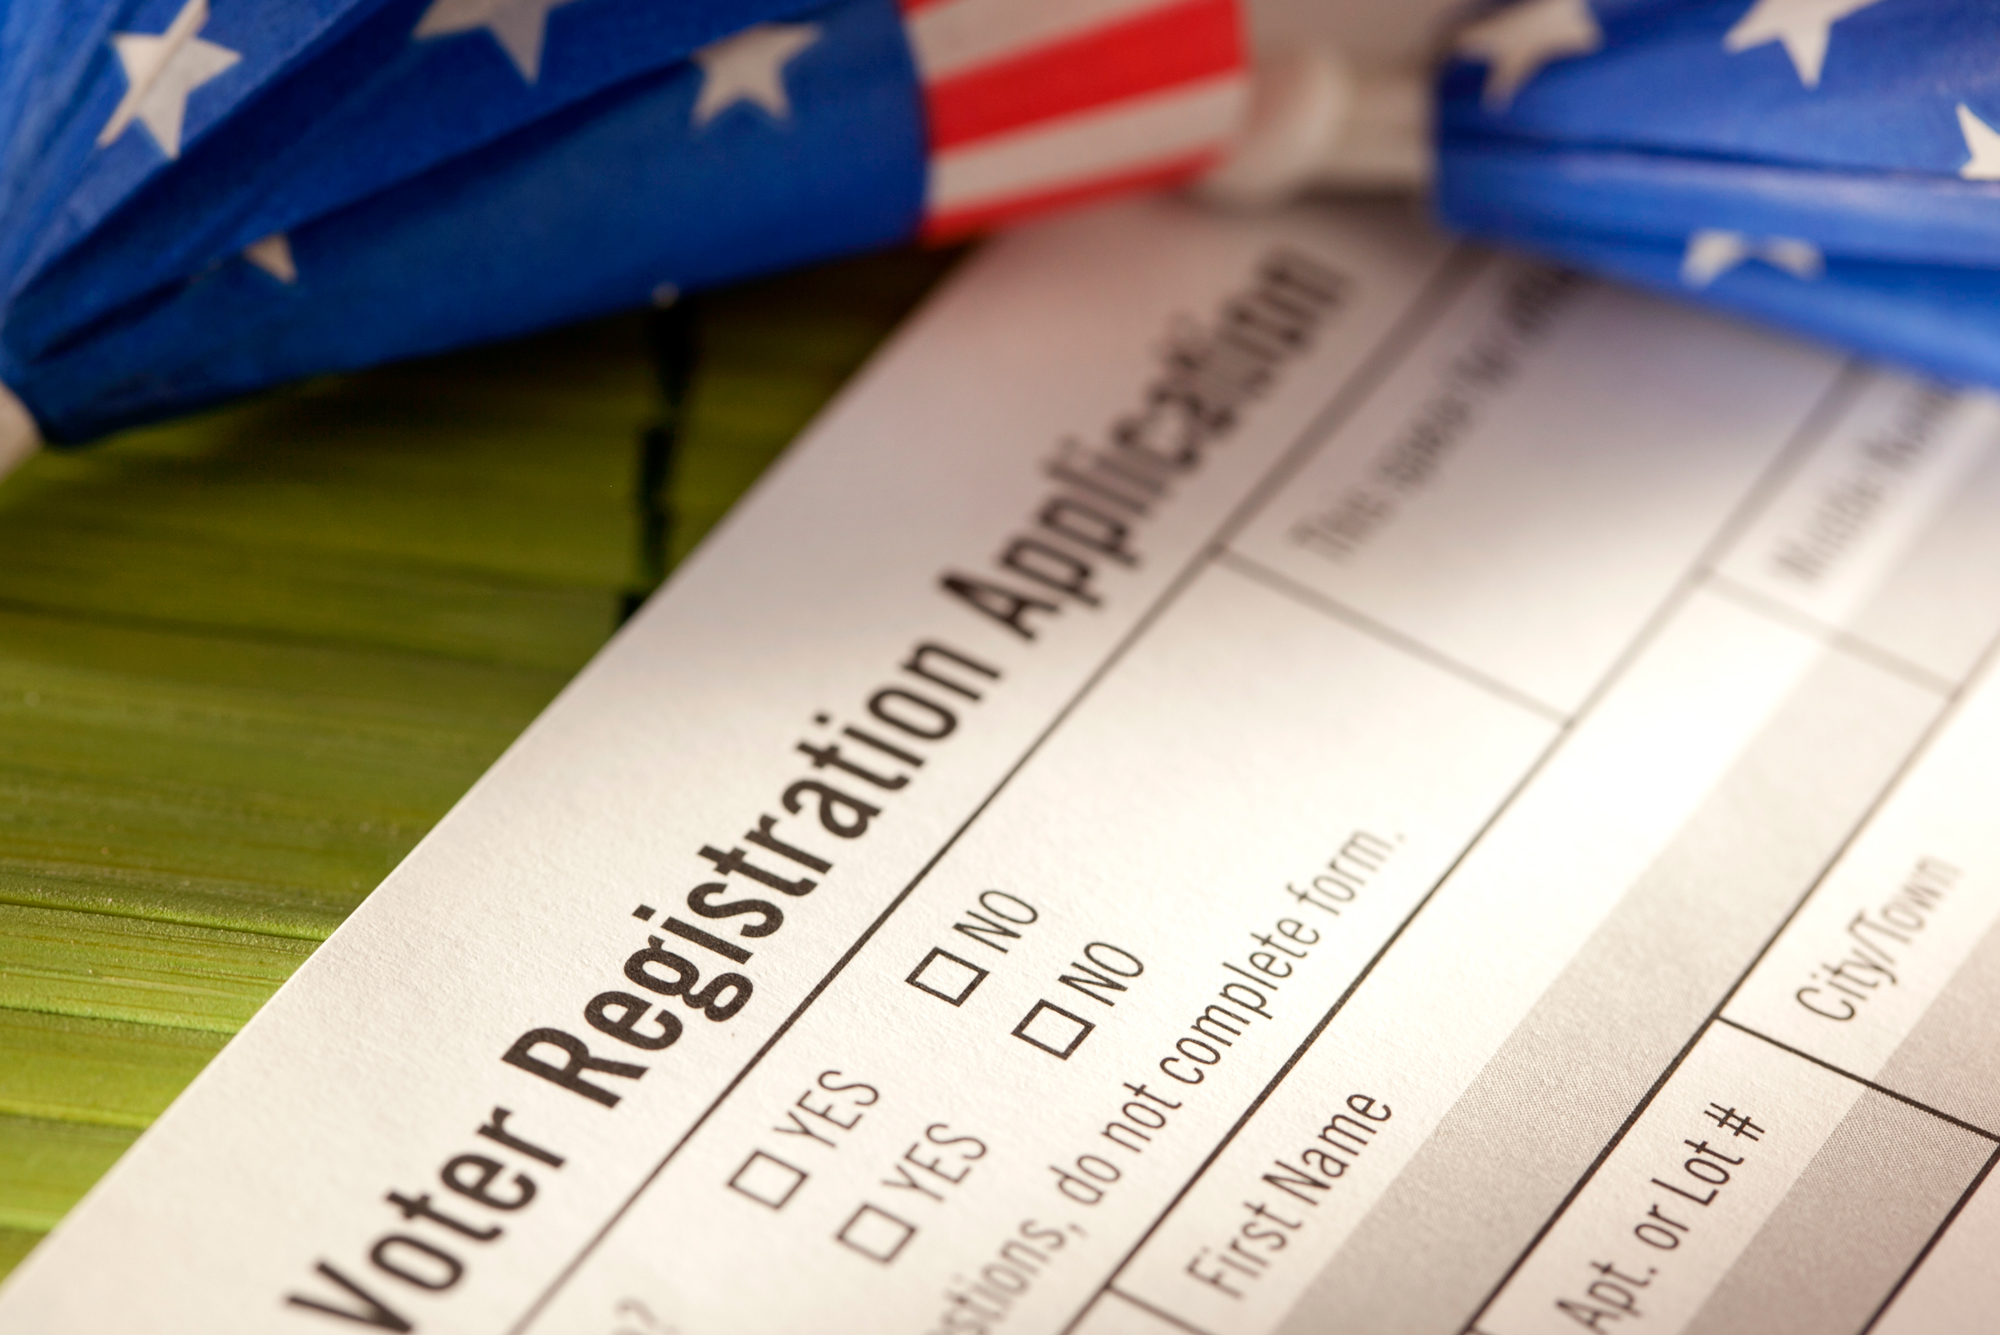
<point x="1829" y="165"/>
<point x="200" y="198"/>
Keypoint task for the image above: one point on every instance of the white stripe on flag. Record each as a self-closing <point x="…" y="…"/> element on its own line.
<point x="953" y="35"/>
<point x="1095" y="144"/>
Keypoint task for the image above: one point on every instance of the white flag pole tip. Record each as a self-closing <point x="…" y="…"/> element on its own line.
<point x="18" y="436"/>
<point x="1317" y="123"/>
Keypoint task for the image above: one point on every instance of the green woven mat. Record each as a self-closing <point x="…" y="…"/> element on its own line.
<point x="248" y="659"/>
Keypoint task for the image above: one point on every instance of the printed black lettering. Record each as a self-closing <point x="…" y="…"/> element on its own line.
<point x="496" y="1130"/>
<point x="1009" y="607"/>
<point x="919" y="664"/>
<point x="619" y="1015"/>
<point x="449" y="1268"/>
<point x="473" y="1175"/>
<point x="570" y="1074"/>
<point x="839" y="814"/>
<point x="701" y="901"/>
<point x="1296" y="1182"/>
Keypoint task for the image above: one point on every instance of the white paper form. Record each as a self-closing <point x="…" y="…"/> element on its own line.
<point x="1244" y="777"/>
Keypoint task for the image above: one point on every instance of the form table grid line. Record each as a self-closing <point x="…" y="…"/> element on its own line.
<point x="1889" y="789"/>
<point x="1863" y="1080"/>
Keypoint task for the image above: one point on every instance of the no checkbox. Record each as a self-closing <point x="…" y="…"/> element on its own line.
<point x="946" y="977"/>
<point x="1053" y="1029"/>
<point x="876" y="1234"/>
<point x="767" y="1179"/>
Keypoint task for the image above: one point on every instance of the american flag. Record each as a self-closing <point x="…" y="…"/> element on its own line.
<point x="199" y="198"/>
<point x="1038" y="103"/>
<point x="1832" y="166"/>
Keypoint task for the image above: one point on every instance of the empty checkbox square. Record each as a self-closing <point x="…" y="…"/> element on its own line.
<point x="1053" y="1029"/>
<point x="767" y="1179"/>
<point x="946" y="977"/>
<point x="876" y="1234"/>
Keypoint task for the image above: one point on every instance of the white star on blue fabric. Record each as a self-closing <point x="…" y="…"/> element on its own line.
<point x="273" y="255"/>
<point x="750" y="67"/>
<point x="161" y="69"/>
<point x="1803" y="26"/>
<point x="1519" y="40"/>
<point x="518" y="25"/>
<point x="1713" y="252"/>
<point x="1982" y="141"/>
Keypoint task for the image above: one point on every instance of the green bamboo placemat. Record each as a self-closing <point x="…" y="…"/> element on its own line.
<point x="248" y="659"/>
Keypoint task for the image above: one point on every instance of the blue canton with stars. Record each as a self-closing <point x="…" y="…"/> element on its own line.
<point x="1829" y="165"/>
<point x="355" y="182"/>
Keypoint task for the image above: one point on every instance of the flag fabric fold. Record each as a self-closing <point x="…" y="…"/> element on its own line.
<point x="1832" y="166"/>
<point x="200" y="198"/>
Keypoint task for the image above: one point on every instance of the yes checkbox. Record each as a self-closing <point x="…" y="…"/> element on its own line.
<point x="767" y="1179"/>
<point x="876" y="1234"/>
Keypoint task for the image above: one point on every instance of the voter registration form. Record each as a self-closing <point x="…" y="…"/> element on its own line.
<point x="1251" y="775"/>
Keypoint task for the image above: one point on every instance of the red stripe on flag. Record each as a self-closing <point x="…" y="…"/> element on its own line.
<point x="985" y="216"/>
<point x="912" y="6"/>
<point x="1174" y="44"/>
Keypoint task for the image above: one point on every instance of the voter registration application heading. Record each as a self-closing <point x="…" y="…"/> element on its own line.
<point x="1250" y="775"/>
